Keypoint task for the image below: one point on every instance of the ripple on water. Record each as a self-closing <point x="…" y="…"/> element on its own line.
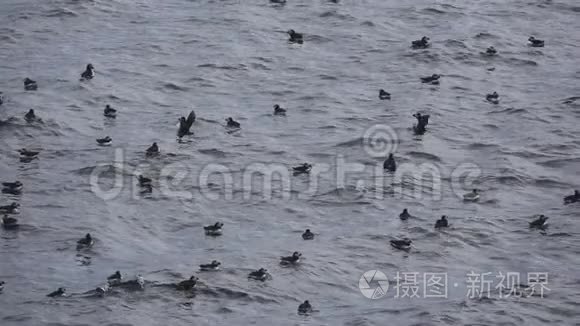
<point x="424" y="155"/>
<point x="174" y="87"/>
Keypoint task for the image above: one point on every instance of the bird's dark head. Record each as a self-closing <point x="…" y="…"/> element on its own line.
<point x="291" y="32"/>
<point x="436" y="76"/>
<point x="424" y="39"/>
<point x="576" y="193"/>
<point x="444" y="218"/>
<point x="296" y="254"/>
<point x="531" y="39"/>
<point x="307" y="230"/>
<point x="263" y="270"/>
<point x="62" y="290"/>
<point x="276" y="106"/>
<point x="405" y="210"/>
<point x="88" y="236"/>
<point x="15" y="205"/>
<point x="306" y="302"/>
<point x="90" y="66"/>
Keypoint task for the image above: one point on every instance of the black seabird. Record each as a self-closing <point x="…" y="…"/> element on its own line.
<point x="104" y="141"/>
<point x="472" y="196"/>
<point x="185" y="125"/>
<point x="383" y="95"/>
<point x="260" y="275"/>
<point x="422" y="122"/>
<point x="10" y="209"/>
<point x="231" y="123"/>
<point x="85" y="242"/>
<point x="492" y="98"/>
<point x="295" y="37"/>
<point x="294" y="259"/>
<point x="30" y="85"/>
<point x="89" y="73"/>
<point x="9" y="222"/>
<point x="152" y="150"/>
<point x="115" y="278"/>
<point x="187" y="285"/>
<point x="390" y="164"/>
<point x="442" y="223"/>
<point x="491" y="51"/>
<point x="16" y="185"/>
<point x="404" y="215"/>
<point x="307" y="235"/>
<point x="214" y="230"/>
<point x="278" y="110"/>
<point x="402" y="244"/>
<point x="26" y="153"/>
<point x="433" y="79"/>
<point x="305" y="308"/>
<point x="30" y="116"/>
<point x="304" y="168"/>
<point x="109" y="112"/>
<point x="423" y="43"/>
<point x="58" y="293"/>
<point x="534" y="42"/>
<point x="539" y="223"/>
<point x="213" y="266"/>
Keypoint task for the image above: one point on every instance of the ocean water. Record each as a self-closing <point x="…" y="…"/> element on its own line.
<point x="157" y="60"/>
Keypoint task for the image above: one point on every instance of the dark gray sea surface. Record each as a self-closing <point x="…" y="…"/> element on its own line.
<point x="157" y="60"/>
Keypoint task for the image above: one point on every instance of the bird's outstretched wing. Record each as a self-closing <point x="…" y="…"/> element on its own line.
<point x="190" y="119"/>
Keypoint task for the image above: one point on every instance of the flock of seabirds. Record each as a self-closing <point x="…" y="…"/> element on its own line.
<point x="14" y="188"/>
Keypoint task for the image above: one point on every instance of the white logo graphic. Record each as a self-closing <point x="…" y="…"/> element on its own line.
<point x="373" y="284"/>
<point x="380" y="141"/>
